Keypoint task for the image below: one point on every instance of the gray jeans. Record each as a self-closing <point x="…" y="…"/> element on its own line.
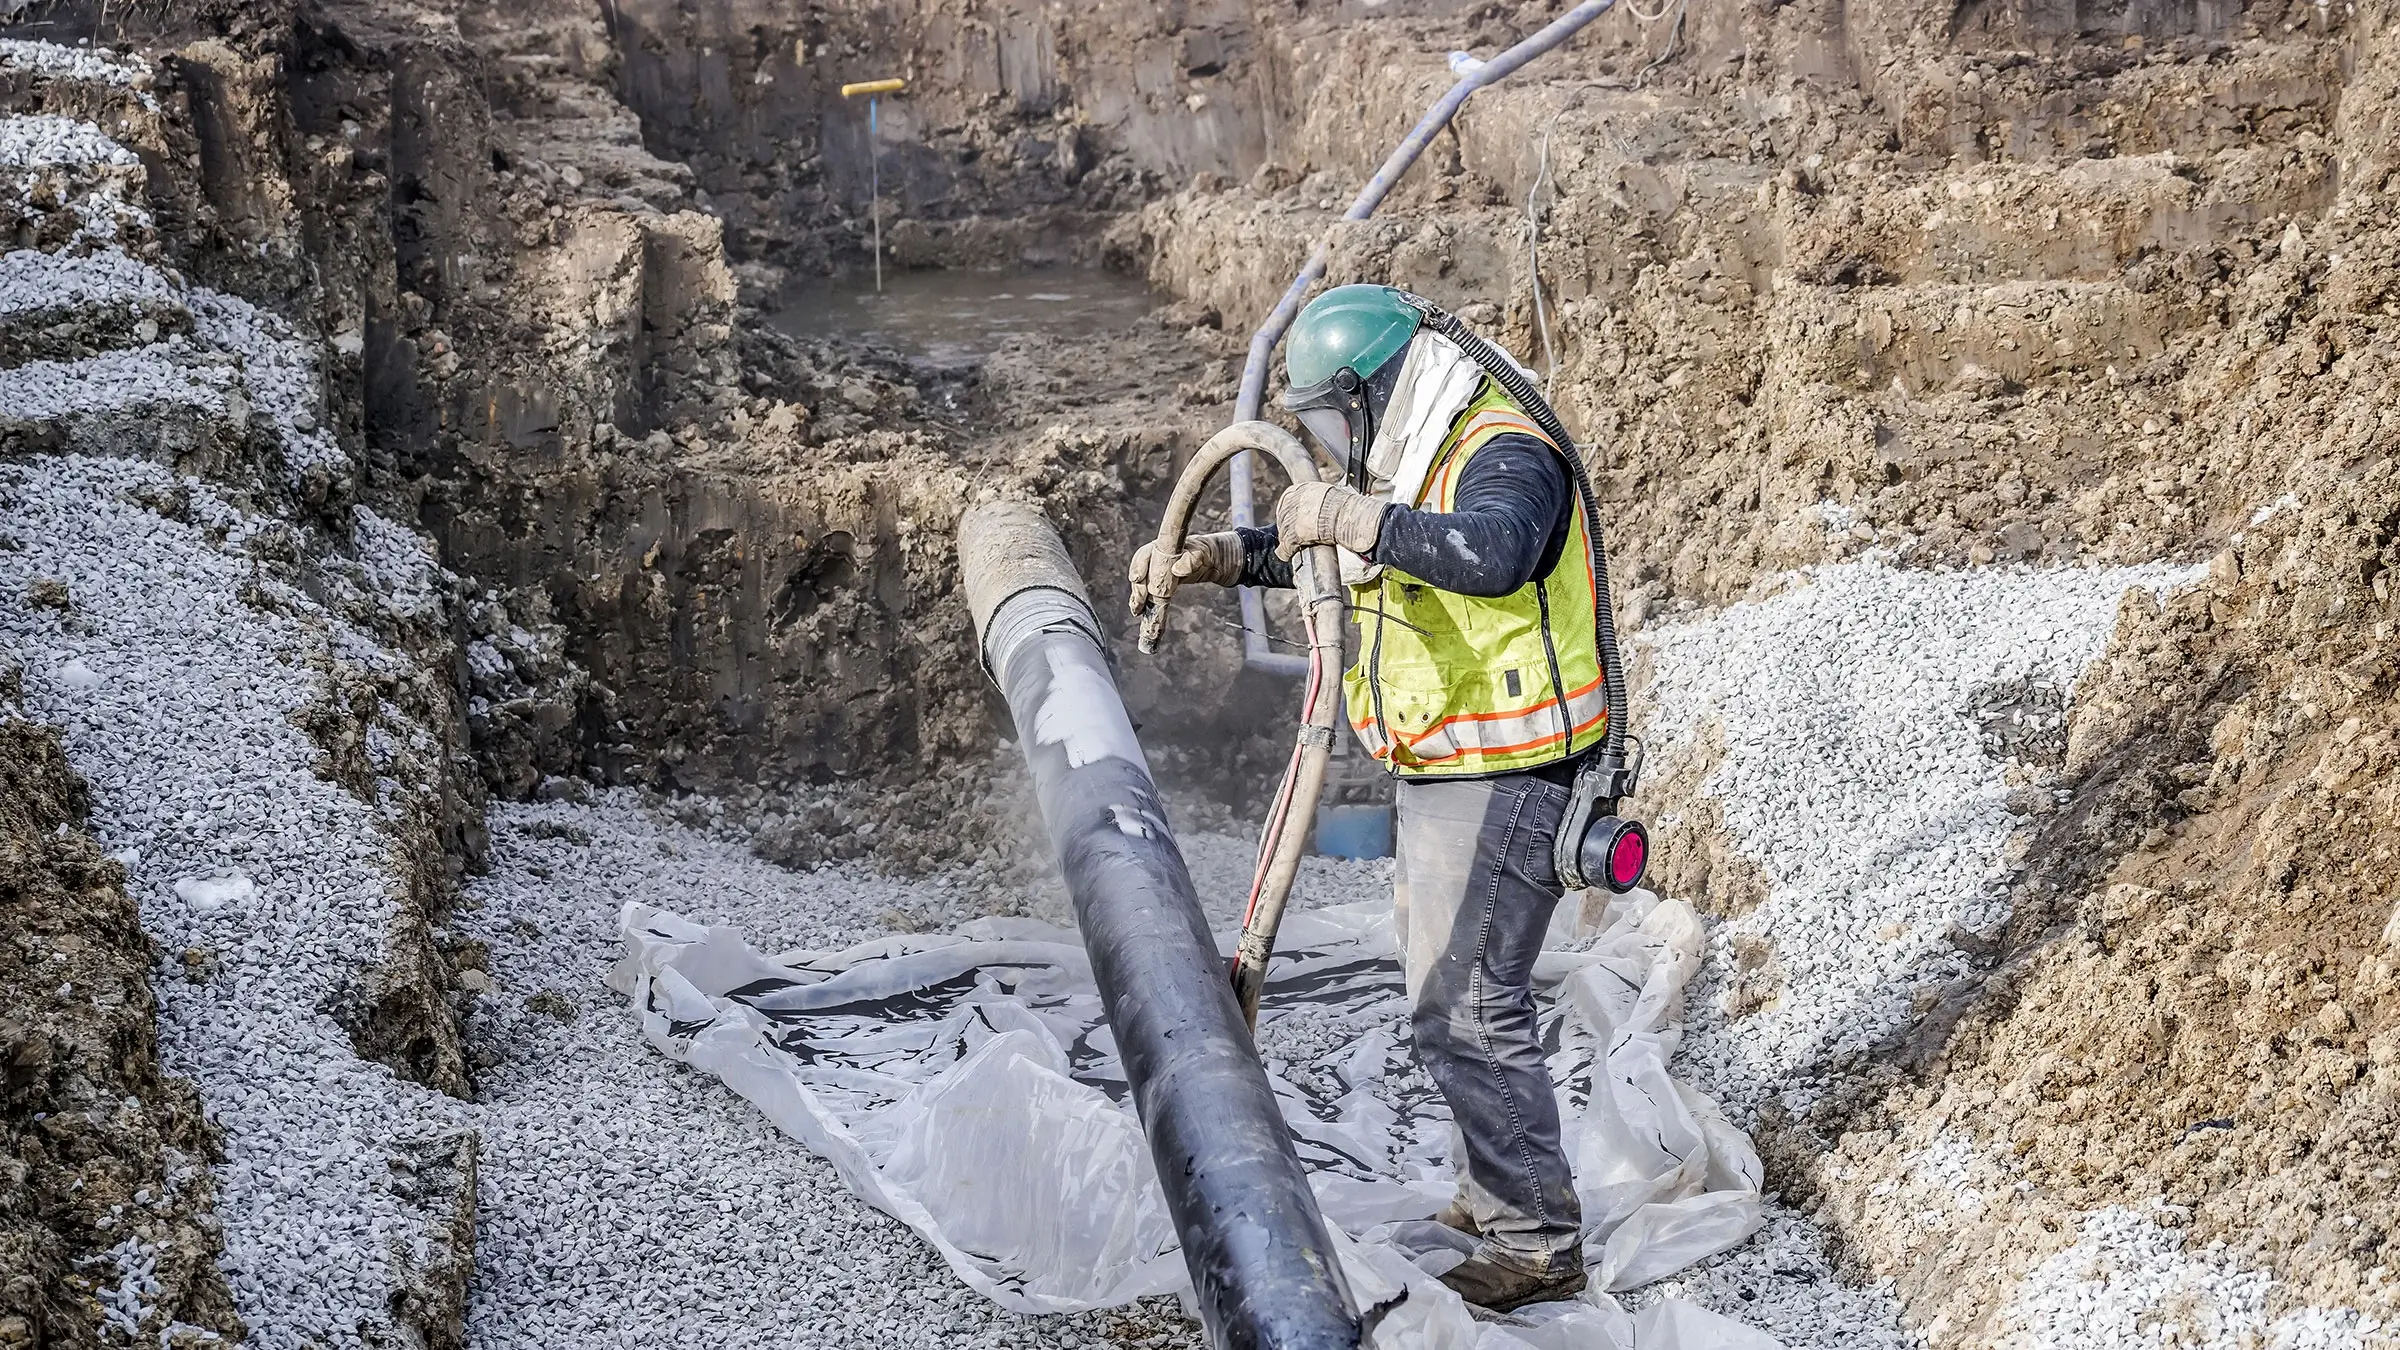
<point x="1472" y="895"/>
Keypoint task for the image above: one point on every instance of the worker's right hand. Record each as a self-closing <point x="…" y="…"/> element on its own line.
<point x="1205" y="557"/>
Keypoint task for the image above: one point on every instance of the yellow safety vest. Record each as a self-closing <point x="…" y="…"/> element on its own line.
<point x="1458" y="686"/>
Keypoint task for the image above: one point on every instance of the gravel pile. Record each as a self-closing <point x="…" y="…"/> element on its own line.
<point x="51" y="60"/>
<point x="42" y="140"/>
<point x="181" y="677"/>
<point x="1783" y="1281"/>
<point x="399" y="564"/>
<point x="277" y="368"/>
<point x="32" y="282"/>
<point x="2131" y="1277"/>
<point x="177" y="702"/>
<point x="1855" y="777"/>
<point x="279" y="371"/>
<point x="174" y="373"/>
<point x="2130" y="1281"/>
<point x="50" y="163"/>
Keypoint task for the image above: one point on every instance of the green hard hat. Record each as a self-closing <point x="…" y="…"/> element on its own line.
<point x="1356" y="326"/>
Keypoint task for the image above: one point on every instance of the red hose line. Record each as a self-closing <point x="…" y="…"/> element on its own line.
<point x="1279" y="815"/>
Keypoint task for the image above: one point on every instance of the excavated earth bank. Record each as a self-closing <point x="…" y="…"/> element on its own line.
<point x="107" y="1195"/>
<point x="507" y="489"/>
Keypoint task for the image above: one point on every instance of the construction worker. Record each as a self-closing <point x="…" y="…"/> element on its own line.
<point x="1478" y="684"/>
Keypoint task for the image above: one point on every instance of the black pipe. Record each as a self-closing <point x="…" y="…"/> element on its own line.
<point x="1260" y="1257"/>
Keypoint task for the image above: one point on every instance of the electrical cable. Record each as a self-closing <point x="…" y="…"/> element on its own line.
<point x="1533" y="260"/>
<point x="1674" y="45"/>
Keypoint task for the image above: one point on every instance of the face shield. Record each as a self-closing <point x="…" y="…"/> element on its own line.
<point x="1331" y="430"/>
<point x="1340" y="413"/>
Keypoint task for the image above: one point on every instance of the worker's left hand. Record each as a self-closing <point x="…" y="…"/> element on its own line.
<point x="1326" y="513"/>
<point x="1213" y="557"/>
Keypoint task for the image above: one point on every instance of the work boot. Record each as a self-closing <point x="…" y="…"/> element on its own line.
<point x="1455" y="1215"/>
<point x="1488" y="1280"/>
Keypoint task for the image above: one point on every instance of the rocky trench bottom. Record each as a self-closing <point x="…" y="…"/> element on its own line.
<point x="1836" y="727"/>
<point x="621" y="1198"/>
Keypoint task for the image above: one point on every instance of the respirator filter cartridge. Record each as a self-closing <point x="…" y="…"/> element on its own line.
<point x="1614" y="853"/>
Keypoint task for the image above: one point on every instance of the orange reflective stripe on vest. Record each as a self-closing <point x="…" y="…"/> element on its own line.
<point x="1492" y="733"/>
<point x="1450" y="685"/>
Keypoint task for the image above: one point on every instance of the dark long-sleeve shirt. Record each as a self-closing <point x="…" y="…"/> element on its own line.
<point x="1514" y="503"/>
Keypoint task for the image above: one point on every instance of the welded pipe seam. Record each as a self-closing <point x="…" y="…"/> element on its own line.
<point x="1029" y="612"/>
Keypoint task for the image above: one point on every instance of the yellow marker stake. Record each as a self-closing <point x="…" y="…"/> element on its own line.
<point x="872" y="88"/>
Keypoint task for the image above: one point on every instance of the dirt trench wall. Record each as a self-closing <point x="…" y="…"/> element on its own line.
<point x="699" y="553"/>
<point x="104" y="1184"/>
<point x="1970" y="287"/>
<point x="2201" y="1006"/>
<point x="1817" y="321"/>
<point x="1022" y="127"/>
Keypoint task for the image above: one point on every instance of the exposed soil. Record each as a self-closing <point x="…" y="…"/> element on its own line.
<point x="2198" y="1005"/>
<point x="1969" y="285"/>
<point x="105" y="1223"/>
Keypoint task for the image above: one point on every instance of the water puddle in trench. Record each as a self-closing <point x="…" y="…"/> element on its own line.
<point x="960" y="317"/>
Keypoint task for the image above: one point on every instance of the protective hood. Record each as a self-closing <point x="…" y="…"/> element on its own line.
<point x="1437" y="381"/>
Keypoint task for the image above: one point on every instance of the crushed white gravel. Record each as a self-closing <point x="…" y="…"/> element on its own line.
<point x="1783" y="1281"/>
<point x="277" y="368"/>
<point x="56" y="61"/>
<point x="2131" y="1282"/>
<point x="167" y="374"/>
<point x="34" y="282"/>
<point x="50" y="163"/>
<point x="1855" y="777"/>
<point x="44" y="140"/>
<point x="399" y="564"/>
<point x="2131" y="1279"/>
<point x="279" y="371"/>
<point x="176" y="700"/>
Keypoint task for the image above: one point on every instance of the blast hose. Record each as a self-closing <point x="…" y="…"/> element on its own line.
<point x="1316" y="573"/>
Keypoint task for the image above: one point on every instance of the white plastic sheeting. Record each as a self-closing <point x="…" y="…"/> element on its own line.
<point x="967" y="1084"/>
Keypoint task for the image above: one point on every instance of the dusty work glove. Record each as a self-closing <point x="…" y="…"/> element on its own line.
<point x="1205" y="557"/>
<point x="1326" y="513"/>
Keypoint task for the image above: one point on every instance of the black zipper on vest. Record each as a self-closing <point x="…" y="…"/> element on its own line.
<point x="1391" y="747"/>
<point x="1558" y="685"/>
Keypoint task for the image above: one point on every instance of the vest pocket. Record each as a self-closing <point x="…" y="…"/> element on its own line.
<point x="1431" y="749"/>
